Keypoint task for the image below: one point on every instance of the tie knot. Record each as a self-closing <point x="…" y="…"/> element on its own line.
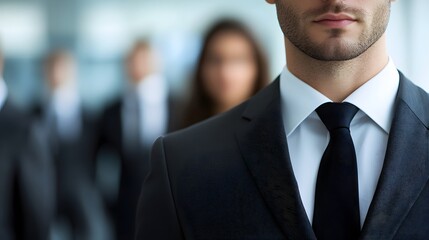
<point x="337" y="115"/>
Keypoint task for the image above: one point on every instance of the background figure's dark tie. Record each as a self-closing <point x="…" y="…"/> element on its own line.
<point x="336" y="206"/>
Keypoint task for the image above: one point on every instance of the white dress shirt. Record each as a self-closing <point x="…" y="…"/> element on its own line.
<point x="308" y="137"/>
<point x="65" y="104"/>
<point x="152" y="96"/>
<point x="3" y="93"/>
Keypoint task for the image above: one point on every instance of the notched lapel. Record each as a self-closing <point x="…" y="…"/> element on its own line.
<point x="405" y="170"/>
<point x="263" y="146"/>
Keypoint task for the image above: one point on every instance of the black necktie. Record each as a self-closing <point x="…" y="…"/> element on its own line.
<point x="336" y="206"/>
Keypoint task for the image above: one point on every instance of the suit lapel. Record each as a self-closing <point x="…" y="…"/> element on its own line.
<point x="405" y="170"/>
<point x="263" y="145"/>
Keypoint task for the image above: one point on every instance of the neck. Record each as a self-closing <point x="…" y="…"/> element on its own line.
<point x="337" y="79"/>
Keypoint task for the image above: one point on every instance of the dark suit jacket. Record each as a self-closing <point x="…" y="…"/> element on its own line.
<point x="26" y="178"/>
<point x="231" y="177"/>
<point x="78" y="200"/>
<point x="110" y="132"/>
<point x="134" y="163"/>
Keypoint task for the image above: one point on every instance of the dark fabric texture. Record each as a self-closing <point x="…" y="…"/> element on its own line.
<point x="230" y="177"/>
<point x="78" y="201"/>
<point x="27" y="185"/>
<point x="134" y="162"/>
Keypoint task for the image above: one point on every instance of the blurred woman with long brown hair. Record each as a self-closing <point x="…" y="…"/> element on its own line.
<point x="231" y="68"/>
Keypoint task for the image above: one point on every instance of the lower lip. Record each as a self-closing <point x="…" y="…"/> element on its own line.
<point x="335" y="23"/>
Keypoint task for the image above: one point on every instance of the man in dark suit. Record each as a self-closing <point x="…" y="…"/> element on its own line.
<point x="335" y="148"/>
<point x="27" y="183"/>
<point x="130" y="125"/>
<point x="71" y="136"/>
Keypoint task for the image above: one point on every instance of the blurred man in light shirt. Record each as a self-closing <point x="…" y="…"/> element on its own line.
<point x="131" y="124"/>
<point x="71" y="132"/>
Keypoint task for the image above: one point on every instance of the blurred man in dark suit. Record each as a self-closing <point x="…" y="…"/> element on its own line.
<point x="26" y="174"/>
<point x="71" y="134"/>
<point x="131" y="124"/>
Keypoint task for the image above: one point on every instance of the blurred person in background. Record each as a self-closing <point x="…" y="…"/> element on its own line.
<point x="231" y="68"/>
<point x="27" y="189"/>
<point x="71" y="133"/>
<point x="131" y="124"/>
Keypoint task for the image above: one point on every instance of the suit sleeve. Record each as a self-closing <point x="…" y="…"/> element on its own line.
<point x="156" y="214"/>
<point x="35" y="178"/>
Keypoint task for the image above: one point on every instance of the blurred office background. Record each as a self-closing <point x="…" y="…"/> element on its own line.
<point x="100" y="33"/>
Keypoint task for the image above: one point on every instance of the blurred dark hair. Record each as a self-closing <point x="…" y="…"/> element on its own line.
<point x="201" y="106"/>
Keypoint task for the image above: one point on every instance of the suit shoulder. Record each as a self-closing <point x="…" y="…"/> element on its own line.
<point x="113" y="108"/>
<point x="13" y="121"/>
<point x="15" y="116"/>
<point x="416" y="99"/>
<point x="215" y="127"/>
<point x="222" y="127"/>
<point x="113" y="105"/>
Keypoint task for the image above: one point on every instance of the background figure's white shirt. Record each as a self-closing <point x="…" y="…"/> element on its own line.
<point x="152" y="95"/>
<point x="308" y="137"/>
<point x="66" y="106"/>
<point x="3" y="92"/>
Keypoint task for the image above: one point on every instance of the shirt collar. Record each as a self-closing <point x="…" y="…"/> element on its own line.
<point x="376" y="98"/>
<point x="299" y="100"/>
<point x="152" y="89"/>
<point x="65" y="100"/>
